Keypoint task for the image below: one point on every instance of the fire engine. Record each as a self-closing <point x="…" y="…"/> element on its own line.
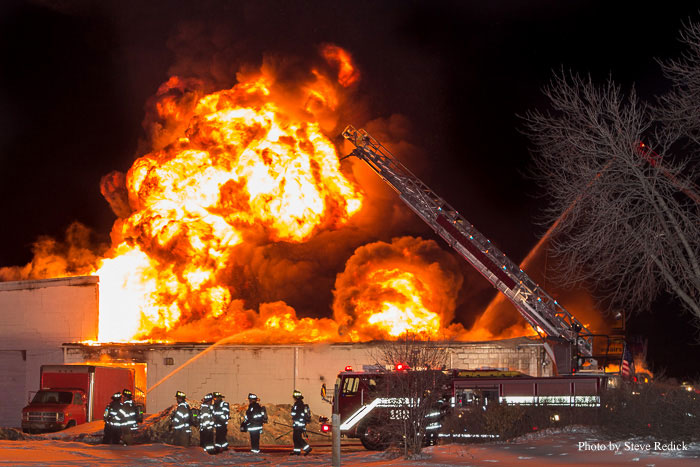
<point x="366" y="402"/>
<point x="570" y="345"/>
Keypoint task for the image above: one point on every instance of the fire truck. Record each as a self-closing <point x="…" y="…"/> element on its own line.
<point x="367" y="402"/>
<point x="578" y="363"/>
<point x="568" y="343"/>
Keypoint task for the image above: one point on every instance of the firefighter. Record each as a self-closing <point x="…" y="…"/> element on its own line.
<point x="434" y="418"/>
<point x="129" y="416"/>
<point x="221" y="415"/>
<point x="301" y="415"/>
<point x="113" y="427"/>
<point x="180" y="420"/>
<point x="206" y="425"/>
<point x="253" y="421"/>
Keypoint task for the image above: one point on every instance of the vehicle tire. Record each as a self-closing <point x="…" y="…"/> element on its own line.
<point x="372" y="436"/>
<point x="70" y="424"/>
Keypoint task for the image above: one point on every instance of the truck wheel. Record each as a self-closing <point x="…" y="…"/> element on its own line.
<point x="372" y="436"/>
<point x="70" y="424"/>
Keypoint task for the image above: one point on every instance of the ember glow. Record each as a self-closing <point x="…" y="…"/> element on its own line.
<point x="348" y="73"/>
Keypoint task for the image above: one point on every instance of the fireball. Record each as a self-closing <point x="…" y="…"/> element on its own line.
<point x="409" y="286"/>
<point x="240" y="165"/>
<point x="402" y="310"/>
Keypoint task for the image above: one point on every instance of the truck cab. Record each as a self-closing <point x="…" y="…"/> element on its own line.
<point x="54" y="410"/>
<point x="368" y="401"/>
<point x="356" y="389"/>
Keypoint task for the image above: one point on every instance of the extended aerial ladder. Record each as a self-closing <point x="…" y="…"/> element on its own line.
<point x="567" y="341"/>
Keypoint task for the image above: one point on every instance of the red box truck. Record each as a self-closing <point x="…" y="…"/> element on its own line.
<point x="73" y="394"/>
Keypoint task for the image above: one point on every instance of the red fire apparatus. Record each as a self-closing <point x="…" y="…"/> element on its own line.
<point x="568" y="343"/>
<point x="366" y="403"/>
<point x="577" y="361"/>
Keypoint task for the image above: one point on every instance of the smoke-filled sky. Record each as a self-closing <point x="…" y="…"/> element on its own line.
<point x="443" y="80"/>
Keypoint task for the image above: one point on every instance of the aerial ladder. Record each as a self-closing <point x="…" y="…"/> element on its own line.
<point x="567" y="342"/>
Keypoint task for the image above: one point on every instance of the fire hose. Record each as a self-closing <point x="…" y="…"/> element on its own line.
<point x="292" y="428"/>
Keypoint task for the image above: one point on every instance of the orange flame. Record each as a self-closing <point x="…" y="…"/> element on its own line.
<point x="248" y="166"/>
<point x="386" y="290"/>
<point x="348" y="74"/>
<point x="240" y="164"/>
<point x="406" y="311"/>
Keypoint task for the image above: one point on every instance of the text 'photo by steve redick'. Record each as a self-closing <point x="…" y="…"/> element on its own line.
<point x="631" y="446"/>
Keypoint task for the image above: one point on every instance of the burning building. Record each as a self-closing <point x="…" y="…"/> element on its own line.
<point x="241" y="224"/>
<point x="56" y="321"/>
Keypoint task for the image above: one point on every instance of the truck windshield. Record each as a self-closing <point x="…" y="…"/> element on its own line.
<point x="53" y="397"/>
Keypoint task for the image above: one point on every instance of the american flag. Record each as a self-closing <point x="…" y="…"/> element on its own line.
<point x="627" y="368"/>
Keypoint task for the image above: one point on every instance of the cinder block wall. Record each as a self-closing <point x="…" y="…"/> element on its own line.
<point x="273" y="371"/>
<point x="36" y="318"/>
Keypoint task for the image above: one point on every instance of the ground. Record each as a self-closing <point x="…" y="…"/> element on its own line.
<point x="561" y="447"/>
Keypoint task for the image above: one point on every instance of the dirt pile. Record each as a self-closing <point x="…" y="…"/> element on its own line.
<point x="12" y="434"/>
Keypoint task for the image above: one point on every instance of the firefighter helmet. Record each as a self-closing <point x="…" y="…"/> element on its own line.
<point x="127" y="393"/>
<point x="218" y="395"/>
<point x="117" y="396"/>
<point x="180" y="394"/>
<point x="297" y="394"/>
<point x="252" y="396"/>
<point x="208" y="397"/>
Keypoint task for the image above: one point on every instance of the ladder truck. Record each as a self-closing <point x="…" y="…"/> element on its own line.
<point x="567" y="342"/>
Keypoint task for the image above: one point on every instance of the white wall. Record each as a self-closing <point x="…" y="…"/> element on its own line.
<point x="36" y="318"/>
<point x="274" y="371"/>
<point x="48" y="312"/>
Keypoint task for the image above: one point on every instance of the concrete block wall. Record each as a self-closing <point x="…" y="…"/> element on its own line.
<point x="48" y="312"/>
<point x="36" y="319"/>
<point x="273" y="371"/>
<point x="519" y="354"/>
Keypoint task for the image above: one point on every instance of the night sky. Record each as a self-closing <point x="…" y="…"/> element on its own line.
<point x="75" y="76"/>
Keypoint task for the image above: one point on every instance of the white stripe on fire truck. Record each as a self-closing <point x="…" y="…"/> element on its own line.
<point x="366" y="409"/>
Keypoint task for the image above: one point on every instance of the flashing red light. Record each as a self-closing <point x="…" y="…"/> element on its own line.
<point x="325" y="428"/>
<point x="401" y="367"/>
<point x="348" y="368"/>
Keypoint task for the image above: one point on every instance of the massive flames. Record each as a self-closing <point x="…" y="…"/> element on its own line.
<point x="250" y="166"/>
<point x="242" y="166"/>
<point x="228" y="177"/>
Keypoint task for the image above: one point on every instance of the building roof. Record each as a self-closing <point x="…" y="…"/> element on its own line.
<point x="42" y="283"/>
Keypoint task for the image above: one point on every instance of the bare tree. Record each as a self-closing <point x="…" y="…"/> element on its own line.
<point x="625" y="213"/>
<point x="414" y="389"/>
<point x="678" y="108"/>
